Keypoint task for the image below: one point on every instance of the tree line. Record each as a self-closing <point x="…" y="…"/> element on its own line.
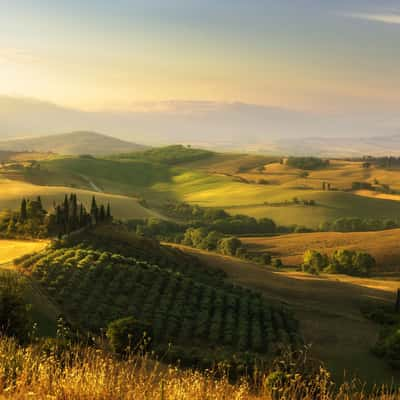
<point x="342" y="261"/>
<point x="34" y="221"/>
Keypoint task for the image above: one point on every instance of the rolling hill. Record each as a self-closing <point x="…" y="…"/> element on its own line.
<point x="327" y="308"/>
<point x="241" y="184"/>
<point x="74" y="143"/>
<point x="382" y="245"/>
<point x="123" y="206"/>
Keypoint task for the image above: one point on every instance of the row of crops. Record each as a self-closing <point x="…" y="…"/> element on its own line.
<point x="94" y="288"/>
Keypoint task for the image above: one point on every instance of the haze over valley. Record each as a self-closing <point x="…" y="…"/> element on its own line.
<point x="227" y="126"/>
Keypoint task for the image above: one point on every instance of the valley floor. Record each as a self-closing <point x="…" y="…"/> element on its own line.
<point x="328" y="308"/>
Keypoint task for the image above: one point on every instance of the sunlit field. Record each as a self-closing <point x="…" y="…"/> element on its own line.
<point x="382" y="245"/>
<point x="11" y="249"/>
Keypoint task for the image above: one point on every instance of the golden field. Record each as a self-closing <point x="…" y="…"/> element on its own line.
<point x="12" y="249"/>
<point x="382" y="245"/>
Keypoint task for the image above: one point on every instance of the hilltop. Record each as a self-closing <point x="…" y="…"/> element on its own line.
<point x="74" y="143"/>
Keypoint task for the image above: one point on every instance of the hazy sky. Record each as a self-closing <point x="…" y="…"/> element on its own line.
<point x="336" y="55"/>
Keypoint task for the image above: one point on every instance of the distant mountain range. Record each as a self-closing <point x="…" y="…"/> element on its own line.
<point x="219" y="126"/>
<point x="73" y="143"/>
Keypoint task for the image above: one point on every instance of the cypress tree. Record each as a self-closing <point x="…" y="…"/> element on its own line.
<point x="102" y="214"/>
<point x="74" y="211"/>
<point x="94" y="210"/>
<point x="108" y="212"/>
<point x="66" y="208"/>
<point x="82" y="216"/>
<point x="59" y="216"/>
<point x="40" y="204"/>
<point x="23" y="212"/>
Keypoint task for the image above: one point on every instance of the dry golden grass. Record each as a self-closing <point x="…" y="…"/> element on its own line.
<point x="376" y="195"/>
<point x="89" y="374"/>
<point x="12" y="249"/>
<point x="382" y="245"/>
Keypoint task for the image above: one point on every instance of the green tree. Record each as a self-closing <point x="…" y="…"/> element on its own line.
<point x="363" y="263"/>
<point x="342" y="261"/>
<point x="210" y="242"/>
<point x="229" y="246"/>
<point x="314" y="262"/>
<point x="94" y="210"/>
<point x="128" y="335"/>
<point x="108" y="212"/>
<point x="102" y="213"/>
<point x="23" y="214"/>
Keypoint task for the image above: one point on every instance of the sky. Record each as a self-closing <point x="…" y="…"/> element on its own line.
<point x="120" y="55"/>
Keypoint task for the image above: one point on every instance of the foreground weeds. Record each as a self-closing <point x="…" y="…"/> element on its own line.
<point x="85" y="373"/>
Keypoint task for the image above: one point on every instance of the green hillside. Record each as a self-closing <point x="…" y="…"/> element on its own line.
<point x="202" y="317"/>
<point x="240" y="184"/>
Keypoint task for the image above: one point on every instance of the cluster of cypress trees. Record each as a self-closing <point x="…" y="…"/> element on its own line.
<point x="31" y="210"/>
<point x="72" y="215"/>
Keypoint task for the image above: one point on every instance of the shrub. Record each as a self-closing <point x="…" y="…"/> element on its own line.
<point x="277" y="263"/>
<point x="128" y="334"/>
<point x="265" y="259"/>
